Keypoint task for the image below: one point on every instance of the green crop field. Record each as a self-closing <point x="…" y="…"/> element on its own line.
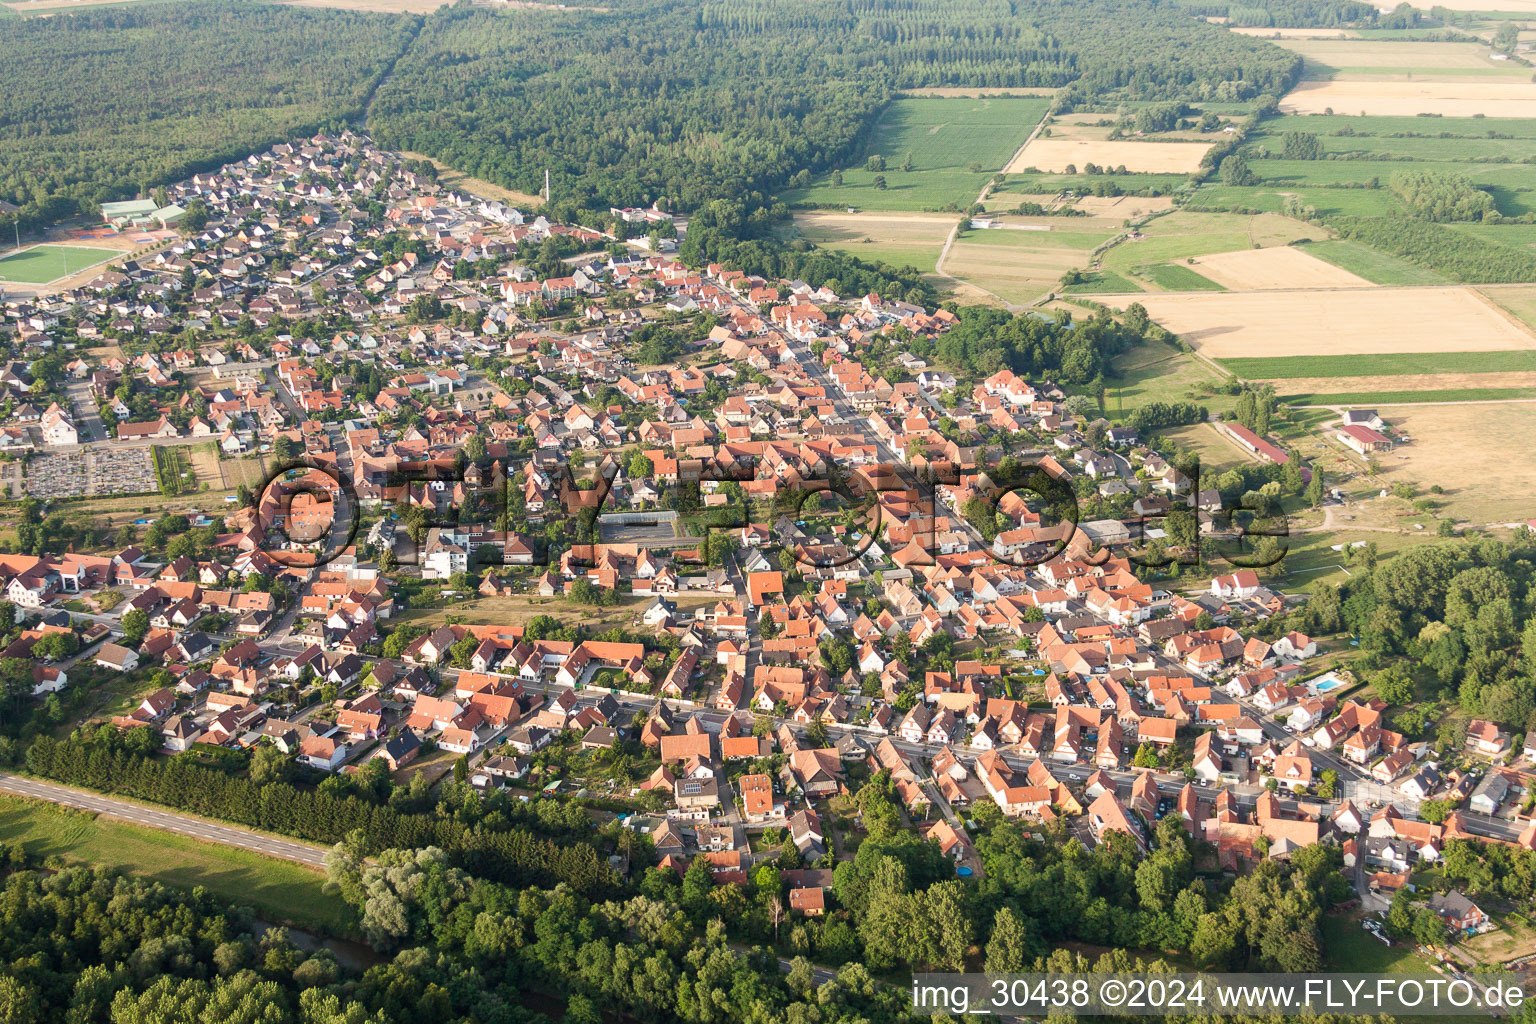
<point x="1175" y="277"/>
<point x="945" y="137"/>
<point x="1508" y="182"/>
<point x="1357" y="202"/>
<point x="1385" y="128"/>
<point x="1401" y="364"/>
<point x="1407" y="397"/>
<point x="43" y="263"/>
<point x="281" y="890"/>
<point x="1376" y="267"/>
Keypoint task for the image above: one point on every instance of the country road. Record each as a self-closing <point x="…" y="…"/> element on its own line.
<point x="170" y="821"/>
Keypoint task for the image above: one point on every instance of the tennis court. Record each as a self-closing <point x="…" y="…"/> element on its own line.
<point x="43" y="263"/>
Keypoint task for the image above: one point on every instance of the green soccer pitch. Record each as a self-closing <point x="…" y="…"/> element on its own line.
<point x="44" y="263"/>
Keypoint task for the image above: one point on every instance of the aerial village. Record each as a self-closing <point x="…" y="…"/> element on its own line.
<point x="627" y="456"/>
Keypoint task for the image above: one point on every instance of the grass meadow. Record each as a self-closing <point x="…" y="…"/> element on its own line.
<point x="280" y="890"/>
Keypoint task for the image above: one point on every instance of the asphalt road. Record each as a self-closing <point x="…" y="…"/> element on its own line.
<point x="170" y="821"/>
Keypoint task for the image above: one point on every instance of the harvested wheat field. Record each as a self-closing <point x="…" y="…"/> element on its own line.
<point x="1488" y="474"/>
<point x="1409" y="99"/>
<point x="1349" y="321"/>
<point x="1298" y="33"/>
<point x="1371" y="57"/>
<point x="1280" y="266"/>
<point x="1054" y="156"/>
<point x="1435" y="382"/>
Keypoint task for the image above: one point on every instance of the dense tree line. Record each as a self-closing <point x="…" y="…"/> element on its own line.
<point x="103" y="104"/>
<point x="1465" y="257"/>
<point x="1438" y="196"/>
<point x="1287" y="13"/>
<point x="1458" y="617"/>
<point x="1054" y="347"/>
<point x="110" y="761"/>
<point x="82" y="945"/>
<point x="1156" y="416"/>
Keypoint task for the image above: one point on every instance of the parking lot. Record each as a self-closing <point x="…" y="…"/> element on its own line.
<point x="92" y="471"/>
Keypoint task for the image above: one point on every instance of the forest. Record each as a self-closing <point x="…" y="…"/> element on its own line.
<point x="1465" y="257"/>
<point x="621" y="114"/>
<point x="105" y="104"/>
<point x="1447" y="623"/>
<point x="1441" y="197"/>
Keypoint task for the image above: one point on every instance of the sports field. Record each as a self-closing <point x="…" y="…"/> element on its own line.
<point x="1279" y="266"/>
<point x="43" y="263"/>
<point x="1359" y="321"/>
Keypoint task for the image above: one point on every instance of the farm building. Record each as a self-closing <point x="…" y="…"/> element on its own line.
<point x="1254" y="443"/>
<point x="1363" y="439"/>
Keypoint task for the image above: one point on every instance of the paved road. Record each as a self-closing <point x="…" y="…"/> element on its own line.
<point x="170" y="821"/>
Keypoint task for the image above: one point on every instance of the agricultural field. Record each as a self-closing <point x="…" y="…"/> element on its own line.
<point x="1362" y="202"/>
<point x="1067" y="156"/>
<point x="900" y="239"/>
<point x="1376" y="267"/>
<point x="1176" y="277"/>
<point x="1448" y="98"/>
<point x="1279" y="266"/>
<point x="1354" y="321"/>
<point x="1184" y="233"/>
<point x="945" y="137"/>
<point x="44" y="263"/>
<point x="1021" y="265"/>
<point x="1488" y="475"/>
<point x="1372" y="58"/>
<point x="1401" y="365"/>
<point x="1126" y="207"/>
<point x="1519" y="301"/>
